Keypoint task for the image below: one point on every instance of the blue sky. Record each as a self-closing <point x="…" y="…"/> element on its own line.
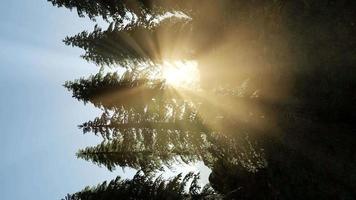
<point x="38" y="117"/>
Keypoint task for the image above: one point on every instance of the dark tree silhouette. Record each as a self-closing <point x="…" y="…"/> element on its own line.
<point x="147" y="187"/>
<point x="125" y="153"/>
<point x="169" y="116"/>
<point x="147" y="140"/>
<point x="289" y="175"/>
<point x="111" y="89"/>
<point x="131" y="44"/>
<point x="116" y="9"/>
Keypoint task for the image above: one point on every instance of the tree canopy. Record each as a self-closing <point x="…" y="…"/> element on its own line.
<point x="143" y="187"/>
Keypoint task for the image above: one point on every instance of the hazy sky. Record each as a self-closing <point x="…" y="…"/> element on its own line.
<point x="38" y="117"/>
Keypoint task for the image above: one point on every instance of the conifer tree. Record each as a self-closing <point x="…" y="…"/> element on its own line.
<point x="157" y="139"/>
<point x="116" y="9"/>
<point x="131" y="44"/>
<point x="147" y="187"/>
<point x="107" y="91"/>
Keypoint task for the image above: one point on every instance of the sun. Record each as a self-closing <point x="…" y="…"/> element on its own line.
<point x="181" y="74"/>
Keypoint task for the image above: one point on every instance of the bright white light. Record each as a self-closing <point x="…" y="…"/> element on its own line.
<point x="181" y="73"/>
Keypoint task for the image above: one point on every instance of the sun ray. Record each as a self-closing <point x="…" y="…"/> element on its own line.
<point x="181" y="74"/>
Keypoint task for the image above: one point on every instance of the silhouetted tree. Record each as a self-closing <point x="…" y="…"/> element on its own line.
<point x="111" y="89"/>
<point x="116" y="9"/>
<point x="147" y="187"/>
<point x="126" y="153"/>
<point x="162" y="124"/>
<point x="156" y="137"/>
<point x="138" y="89"/>
<point x="132" y="44"/>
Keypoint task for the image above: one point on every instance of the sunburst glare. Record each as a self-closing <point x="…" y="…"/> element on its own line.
<point x="181" y="74"/>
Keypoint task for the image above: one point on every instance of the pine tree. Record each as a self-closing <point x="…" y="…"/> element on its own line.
<point x="194" y="39"/>
<point x="116" y="9"/>
<point x="146" y="187"/>
<point x="130" y="44"/>
<point x="179" y="122"/>
<point x="134" y="139"/>
<point x="125" y="153"/>
<point x="111" y="89"/>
